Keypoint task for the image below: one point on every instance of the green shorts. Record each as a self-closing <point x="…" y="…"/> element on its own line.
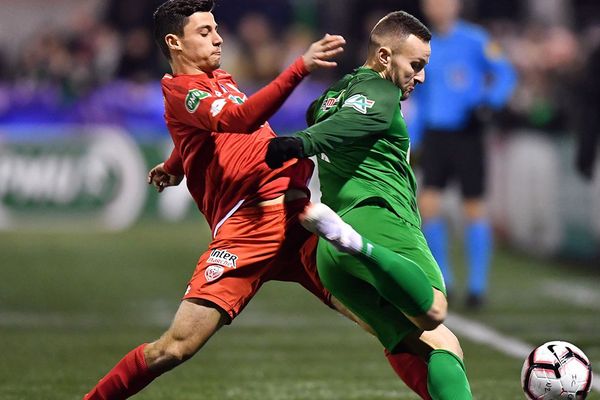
<point x="349" y="280"/>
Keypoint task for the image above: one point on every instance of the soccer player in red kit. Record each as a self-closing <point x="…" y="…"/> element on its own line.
<point x="220" y="139"/>
<point x="251" y="209"/>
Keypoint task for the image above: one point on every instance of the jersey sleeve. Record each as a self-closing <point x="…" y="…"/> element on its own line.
<point x="367" y="108"/>
<point x="174" y="164"/>
<point x="200" y="108"/>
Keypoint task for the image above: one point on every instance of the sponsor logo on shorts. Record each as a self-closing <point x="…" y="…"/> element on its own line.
<point x="222" y="257"/>
<point x="213" y="272"/>
<point x="217" y="107"/>
<point x="192" y="100"/>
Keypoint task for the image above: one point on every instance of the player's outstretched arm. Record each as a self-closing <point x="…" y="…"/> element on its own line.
<point x="368" y="109"/>
<point x="247" y="117"/>
<point x="160" y="178"/>
<point x="223" y="115"/>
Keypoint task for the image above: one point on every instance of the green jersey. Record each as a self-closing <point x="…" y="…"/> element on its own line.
<point x="359" y="134"/>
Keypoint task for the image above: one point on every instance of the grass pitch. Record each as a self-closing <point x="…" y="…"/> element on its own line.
<point x="71" y="305"/>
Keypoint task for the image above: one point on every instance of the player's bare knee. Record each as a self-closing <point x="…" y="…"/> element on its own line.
<point x="180" y="351"/>
<point x="457" y="349"/>
<point x="174" y="355"/>
<point x="440" y="338"/>
<point x="450" y="343"/>
<point x="169" y="351"/>
<point x="157" y="357"/>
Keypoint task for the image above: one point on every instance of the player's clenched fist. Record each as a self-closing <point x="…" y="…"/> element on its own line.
<point x="281" y="149"/>
<point x="320" y="53"/>
<point x="161" y="179"/>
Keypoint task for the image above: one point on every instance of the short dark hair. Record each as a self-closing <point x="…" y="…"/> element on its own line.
<point x="399" y="24"/>
<point x="171" y="17"/>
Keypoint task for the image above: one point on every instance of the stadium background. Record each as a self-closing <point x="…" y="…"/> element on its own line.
<point x="92" y="261"/>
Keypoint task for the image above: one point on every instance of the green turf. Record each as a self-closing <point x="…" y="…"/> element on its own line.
<point x="71" y="305"/>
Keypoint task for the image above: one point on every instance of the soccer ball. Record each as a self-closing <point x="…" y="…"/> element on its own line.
<point x="556" y="370"/>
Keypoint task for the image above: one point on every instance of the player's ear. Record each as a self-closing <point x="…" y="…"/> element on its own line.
<point x="384" y="56"/>
<point x="173" y="42"/>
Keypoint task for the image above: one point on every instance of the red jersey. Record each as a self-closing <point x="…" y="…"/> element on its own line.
<point x="221" y="138"/>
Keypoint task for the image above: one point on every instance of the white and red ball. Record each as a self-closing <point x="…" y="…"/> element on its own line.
<point x="556" y="370"/>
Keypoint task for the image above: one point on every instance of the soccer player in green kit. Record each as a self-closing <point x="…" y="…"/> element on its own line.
<point x="372" y="254"/>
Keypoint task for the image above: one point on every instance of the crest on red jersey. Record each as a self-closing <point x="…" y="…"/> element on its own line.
<point x="213" y="272"/>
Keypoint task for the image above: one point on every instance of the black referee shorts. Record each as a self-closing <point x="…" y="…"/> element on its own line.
<point x="454" y="155"/>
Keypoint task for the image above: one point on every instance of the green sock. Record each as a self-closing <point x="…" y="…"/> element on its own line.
<point x="446" y="377"/>
<point x="399" y="280"/>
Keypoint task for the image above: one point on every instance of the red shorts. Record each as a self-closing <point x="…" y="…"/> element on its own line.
<point x="253" y="246"/>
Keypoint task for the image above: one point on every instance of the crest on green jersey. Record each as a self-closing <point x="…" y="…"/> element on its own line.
<point x="360" y="103"/>
<point x="193" y="98"/>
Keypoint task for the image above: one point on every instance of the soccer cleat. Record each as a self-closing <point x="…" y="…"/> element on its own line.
<point x="322" y="220"/>
<point x="475" y="301"/>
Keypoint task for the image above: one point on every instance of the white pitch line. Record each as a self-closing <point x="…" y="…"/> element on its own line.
<point x="584" y="296"/>
<point x="479" y="333"/>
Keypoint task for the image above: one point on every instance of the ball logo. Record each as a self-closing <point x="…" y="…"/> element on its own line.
<point x="213" y="272"/>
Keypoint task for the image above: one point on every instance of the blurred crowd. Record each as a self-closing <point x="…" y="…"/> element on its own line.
<point x="551" y="62"/>
<point x="117" y="44"/>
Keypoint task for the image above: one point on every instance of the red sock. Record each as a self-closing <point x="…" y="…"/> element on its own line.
<point x="128" y="377"/>
<point x="412" y="370"/>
